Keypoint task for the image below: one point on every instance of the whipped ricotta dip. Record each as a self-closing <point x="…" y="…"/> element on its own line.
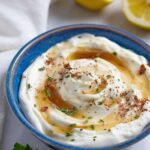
<point x="87" y="91"/>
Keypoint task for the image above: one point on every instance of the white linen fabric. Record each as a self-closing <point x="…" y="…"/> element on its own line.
<point x="4" y="62"/>
<point x="20" y="20"/>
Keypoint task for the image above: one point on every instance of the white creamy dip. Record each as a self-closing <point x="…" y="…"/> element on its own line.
<point x="87" y="91"/>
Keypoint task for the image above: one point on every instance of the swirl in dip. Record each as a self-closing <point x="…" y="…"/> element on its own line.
<point x="87" y="91"/>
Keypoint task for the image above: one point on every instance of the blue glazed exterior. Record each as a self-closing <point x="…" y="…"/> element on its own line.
<point x="28" y="53"/>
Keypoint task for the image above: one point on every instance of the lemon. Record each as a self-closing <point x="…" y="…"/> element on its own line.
<point x="93" y="4"/>
<point x="137" y="12"/>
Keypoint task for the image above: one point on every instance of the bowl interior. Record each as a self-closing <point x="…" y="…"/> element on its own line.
<point x="42" y="43"/>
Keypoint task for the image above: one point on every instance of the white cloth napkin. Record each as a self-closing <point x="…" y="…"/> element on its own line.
<point x="4" y="62"/>
<point x="20" y="21"/>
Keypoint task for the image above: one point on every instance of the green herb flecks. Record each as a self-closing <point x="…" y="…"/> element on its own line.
<point x="90" y="117"/>
<point x="79" y="77"/>
<point x="101" y="121"/>
<point x="68" y="134"/>
<point x="50" y="78"/>
<point x="50" y="131"/>
<point x="114" y="53"/>
<point x="92" y="127"/>
<point x="100" y="103"/>
<point x="47" y="92"/>
<point x="70" y="112"/>
<point x="41" y="69"/>
<point x="28" y="86"/>
<point x="108" y="76"/>
<point x="94" y="138"/>
<point x="53" y="124"/>
<point x="97" y="90"/>
<point x="86" y="121"/>
<point x="95" y="60"/>
<point x="79" y="36"/>
<point x="18" y="146"/>
<point x="136" y="117"/>
<point x="72" y="125"/>
<point x="72" y="140"/>
<point x="67" y="75"/>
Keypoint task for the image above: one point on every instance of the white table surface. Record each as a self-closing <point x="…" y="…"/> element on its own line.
<point x="61" y="13"/>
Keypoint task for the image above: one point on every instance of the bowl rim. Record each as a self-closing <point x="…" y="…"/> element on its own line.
<point x="23" y="120"/>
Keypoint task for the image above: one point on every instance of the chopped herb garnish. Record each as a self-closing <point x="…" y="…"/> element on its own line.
<point x="47" y="92"/>
<point x="69" y="112"/>
<point x="53" y="124"/>
<point x="50" y="78"/>
<point x="68" y="134"/>
<point x="114" y="53"/>
<point x="97" y="90"/>
<point x="18" y="146"/>
<point x="64" y="110"/>
<point x="136" y="117"/>
<point x="28" y="85"/>
<point x="50" y="131"/>
<point x="81" y="129"/>
<point x="72" y="125"/>
<point x="79" y="77"/>
<point x="72" y="140"/>
<point x="67" y="76"/>
<point x="90" y="117"/>
<point x="100" y="103"/>
<point x="101" y="121"/>
<point x="92" y="127"/>
<point x="86" y="121"/>
<point x="94" y="138"/>
<point x="108" y="76"/>
<point x="109" y="130"/>
<point x="41" y="69"/>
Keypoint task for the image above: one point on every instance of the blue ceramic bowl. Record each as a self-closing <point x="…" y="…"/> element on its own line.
<point x="28" y="53"/>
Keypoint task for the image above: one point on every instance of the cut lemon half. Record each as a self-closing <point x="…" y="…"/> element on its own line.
<point x="93" y="4"/>
<point x="137" y="12"/>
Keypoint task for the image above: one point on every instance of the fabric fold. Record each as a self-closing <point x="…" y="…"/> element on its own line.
<point x="20" y="21"/>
